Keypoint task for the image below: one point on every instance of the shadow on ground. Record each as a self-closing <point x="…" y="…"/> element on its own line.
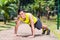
<point x="37" y="35"/>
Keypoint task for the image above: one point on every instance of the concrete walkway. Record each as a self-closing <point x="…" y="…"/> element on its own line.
<point x="24" y="32"/>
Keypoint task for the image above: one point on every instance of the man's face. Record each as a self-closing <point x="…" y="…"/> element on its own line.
<point x="22" y="14"/>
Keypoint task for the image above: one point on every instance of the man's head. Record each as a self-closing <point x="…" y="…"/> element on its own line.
<point x="21" y="13"/>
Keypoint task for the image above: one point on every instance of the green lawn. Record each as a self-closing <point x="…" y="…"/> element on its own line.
<point x="52" y="24"/>
<point x="6" y="26"/>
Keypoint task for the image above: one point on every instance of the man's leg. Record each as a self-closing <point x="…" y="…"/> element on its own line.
<point x="44" y="27"/>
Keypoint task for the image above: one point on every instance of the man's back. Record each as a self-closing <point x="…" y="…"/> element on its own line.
<point x="27" y="19"/>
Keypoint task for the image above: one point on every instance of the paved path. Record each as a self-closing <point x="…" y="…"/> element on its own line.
<point x="24" y="31"/>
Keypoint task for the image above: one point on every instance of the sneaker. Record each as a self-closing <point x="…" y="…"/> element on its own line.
<point x="43" y="31"/>
<point x="48" y="32"/>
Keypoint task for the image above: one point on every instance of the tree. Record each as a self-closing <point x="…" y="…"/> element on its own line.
<point x="6" y="6"/>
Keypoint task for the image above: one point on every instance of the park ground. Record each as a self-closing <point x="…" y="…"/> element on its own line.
<point x="7" y="31"/>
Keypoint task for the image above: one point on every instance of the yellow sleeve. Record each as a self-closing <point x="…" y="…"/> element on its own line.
<point x="20" y="19"/>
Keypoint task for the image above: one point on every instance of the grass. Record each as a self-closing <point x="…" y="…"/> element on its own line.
<point x="52" y="24"/>
<point x="6" y="26"/>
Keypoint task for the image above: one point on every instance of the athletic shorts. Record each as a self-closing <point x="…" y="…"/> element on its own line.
<point x="38" y="24"/>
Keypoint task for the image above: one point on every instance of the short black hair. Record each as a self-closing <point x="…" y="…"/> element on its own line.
<point x="19" y="10"/>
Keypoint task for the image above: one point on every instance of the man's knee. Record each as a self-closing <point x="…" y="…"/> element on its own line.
<point x="44" y="25"/>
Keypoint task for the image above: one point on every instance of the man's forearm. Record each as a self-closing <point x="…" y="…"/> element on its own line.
<point x="33" y="31"/>
<point x="16" y="30"/>
<point x="16" y="27"/>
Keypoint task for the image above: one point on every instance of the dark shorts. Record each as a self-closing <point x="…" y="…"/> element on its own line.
<point x="38" y="24"/>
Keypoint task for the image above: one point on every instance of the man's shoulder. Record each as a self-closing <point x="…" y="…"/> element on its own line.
<point x="28" y="14"/>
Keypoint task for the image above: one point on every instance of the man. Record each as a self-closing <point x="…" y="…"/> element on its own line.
<point x="34" y="22"/>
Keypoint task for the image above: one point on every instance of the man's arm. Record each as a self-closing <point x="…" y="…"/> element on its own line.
<point x="17" y="24"/>
<point x="32" y="25"/>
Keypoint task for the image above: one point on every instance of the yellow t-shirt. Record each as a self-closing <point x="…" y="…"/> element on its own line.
<point x="27" y="21"/>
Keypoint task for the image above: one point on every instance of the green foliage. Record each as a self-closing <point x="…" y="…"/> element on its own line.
<point x="37" y="4"/>
<point x="8" y="6"/>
